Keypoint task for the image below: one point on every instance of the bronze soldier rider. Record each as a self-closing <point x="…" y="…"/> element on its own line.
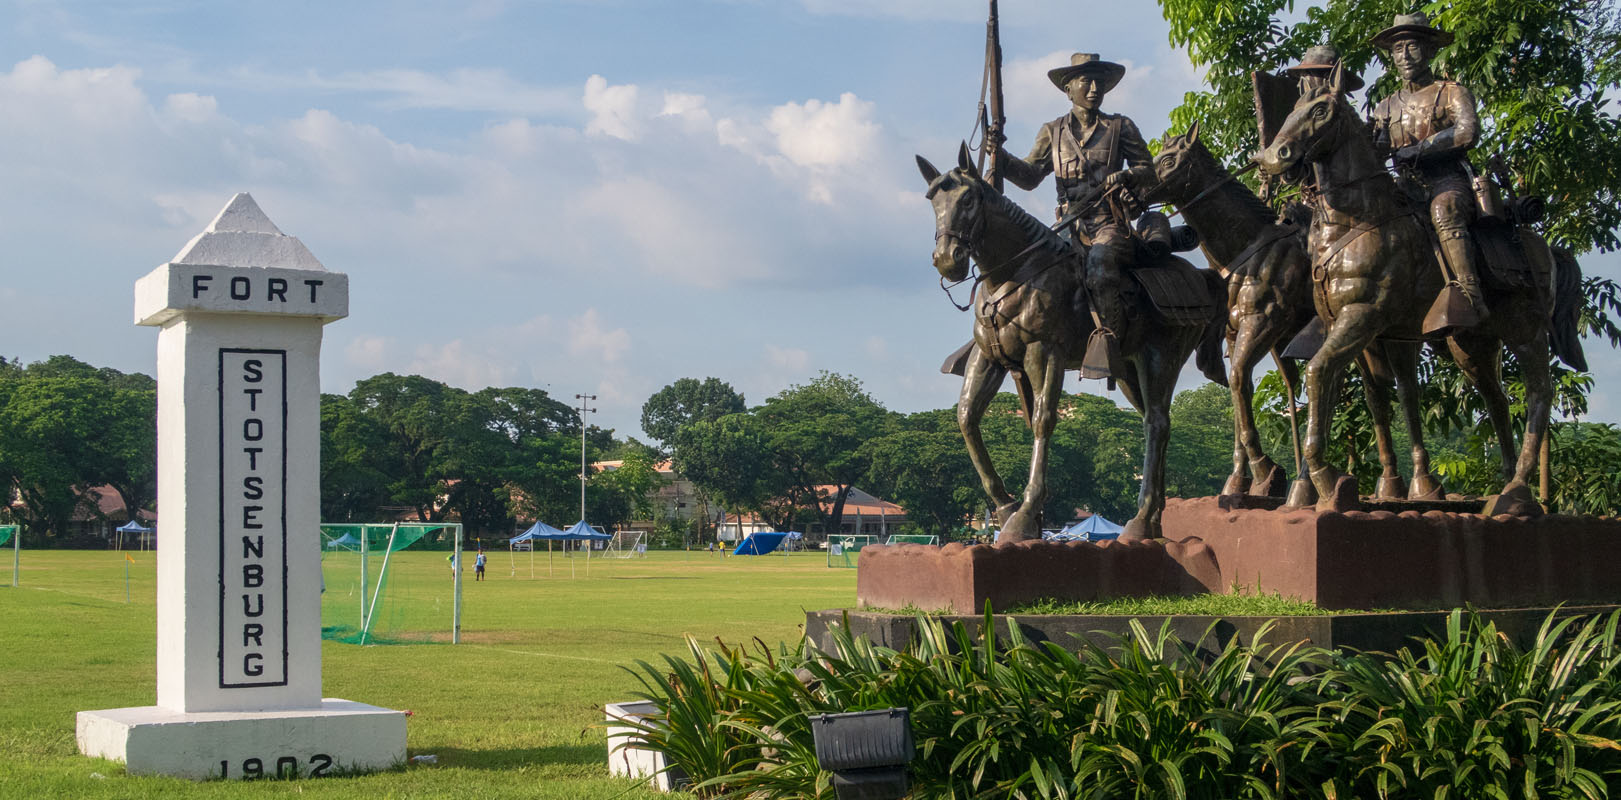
<point x="1317" y="66"/>
<point x="1315" y="69"/>
<point x="1428" y="127"/>
<point x="1086" y="150"/>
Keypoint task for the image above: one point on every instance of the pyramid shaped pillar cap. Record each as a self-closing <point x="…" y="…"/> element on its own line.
<point x="242" y="263"/>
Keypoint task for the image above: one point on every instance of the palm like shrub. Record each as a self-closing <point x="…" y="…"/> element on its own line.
<point x="1476" y="716"/>
<point x="1471" y="715"/>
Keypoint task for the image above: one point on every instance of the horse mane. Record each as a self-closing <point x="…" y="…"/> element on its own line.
<point x="1029" y="228"/>
<point x="1234" y="189"/>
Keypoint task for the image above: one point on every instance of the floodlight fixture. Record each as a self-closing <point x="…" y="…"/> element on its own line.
<point x="867" y="752"/>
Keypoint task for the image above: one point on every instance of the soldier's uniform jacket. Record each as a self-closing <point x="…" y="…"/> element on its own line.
<point x="1079" y="159"/>
<point x="1440" y="118"/>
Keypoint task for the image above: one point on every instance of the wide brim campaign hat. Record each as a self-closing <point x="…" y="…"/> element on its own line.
<point x="1107" y="73"/>
<point x="1411" y="25"/>
<point x="1321" y="60"/>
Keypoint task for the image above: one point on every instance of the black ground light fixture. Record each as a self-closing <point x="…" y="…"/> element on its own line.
<point x="867" y="752"/>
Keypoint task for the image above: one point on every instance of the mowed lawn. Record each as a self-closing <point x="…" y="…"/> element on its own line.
<point x="513" y="711"/>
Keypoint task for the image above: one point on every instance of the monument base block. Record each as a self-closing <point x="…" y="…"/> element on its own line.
<point x="1352" y="560"/>
<point x="339" y="737"/>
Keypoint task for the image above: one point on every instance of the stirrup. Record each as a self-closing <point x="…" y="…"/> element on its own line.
<point x="1102" y="358"/>
<point x="1451" y="310"/>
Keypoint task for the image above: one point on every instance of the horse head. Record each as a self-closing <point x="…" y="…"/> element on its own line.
<point x="958" y="198"/>
<point x="1182" y="169"/>
<point x="1312" y="131"/>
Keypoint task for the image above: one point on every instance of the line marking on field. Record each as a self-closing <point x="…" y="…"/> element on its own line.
<point x="546" y="655"/>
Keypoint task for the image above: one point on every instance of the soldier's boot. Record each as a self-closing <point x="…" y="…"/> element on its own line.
<point x="1461" y="304"/>
<point x="1461" y="254"/>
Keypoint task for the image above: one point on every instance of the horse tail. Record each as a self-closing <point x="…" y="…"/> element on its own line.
<point x="1208" y="354"/>
<point x="1564" y="335"/>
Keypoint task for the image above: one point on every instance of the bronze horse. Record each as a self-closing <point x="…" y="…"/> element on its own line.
<point x="1269" y="302"/>
<point x="1031" y="319"/>
<point x="1375" y="275"/>
<point x="1268" y="288"/>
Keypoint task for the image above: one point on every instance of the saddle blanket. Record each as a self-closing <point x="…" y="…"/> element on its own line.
<point x="1179" y="295"/>
<point x="1509" y="257"/>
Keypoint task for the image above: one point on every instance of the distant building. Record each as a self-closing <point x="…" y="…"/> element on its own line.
<point x="99" y="514"/>
<point x="678" y="498"/>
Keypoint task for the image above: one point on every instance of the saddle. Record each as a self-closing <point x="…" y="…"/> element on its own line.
<point x="1177" y="292"/>
<point x="1506" y="257"/>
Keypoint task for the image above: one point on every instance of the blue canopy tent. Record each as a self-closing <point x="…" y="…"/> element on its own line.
<point x="577" y="532"/>
<point x="347" y="541"/>
<point x="1092" y="529"/>
<point x="584" y="532"/>
<point x="133" y="526"/>
<point x="758" y="544"/>
<point x="537" y="531"/>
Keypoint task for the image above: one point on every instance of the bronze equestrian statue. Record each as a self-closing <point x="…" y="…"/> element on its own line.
<point x="1032" y="319"/>
<point x="1373" y="275"/>
<point x="1268" y="289"/>
<point x="1087" y="151"/>
<point x="1268" y="276"/>
<point x="1376" y="272"/>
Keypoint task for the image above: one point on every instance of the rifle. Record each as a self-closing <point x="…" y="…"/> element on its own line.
<point x="992" y="119"/>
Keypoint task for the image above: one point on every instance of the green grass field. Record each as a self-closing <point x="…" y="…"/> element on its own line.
<point x="510" y="712"/>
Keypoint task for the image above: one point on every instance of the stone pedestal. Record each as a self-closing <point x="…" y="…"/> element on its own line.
<point x="1351" y="560"/>
<point x="240" y="312"/>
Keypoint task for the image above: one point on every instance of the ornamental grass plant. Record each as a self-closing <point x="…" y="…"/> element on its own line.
<point x="1471" y="715"/>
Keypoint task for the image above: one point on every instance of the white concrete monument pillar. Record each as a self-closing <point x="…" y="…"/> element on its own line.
<point x="240" y="312"/>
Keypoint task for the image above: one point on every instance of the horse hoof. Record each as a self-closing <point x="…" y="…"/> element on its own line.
<point x="1515" y="500"/>
<point x="1391" y="487"/>
<point x="1138" y="529"/>
<point x="1237" y="483"/>
<point x="1021" y="527"/>
<point x="1270" y="483"/>
<point x="1301" y="494"/>
<point x="1344" y="497"/>
<point x="1426" y="487"/>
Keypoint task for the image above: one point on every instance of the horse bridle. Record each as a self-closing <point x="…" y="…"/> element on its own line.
<point x="976" y="274"/>
<point x="1217" y="184"/>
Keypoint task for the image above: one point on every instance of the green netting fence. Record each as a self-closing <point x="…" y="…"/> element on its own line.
<point x="382" y="585"/>
<point x="842" y="549"/>
<point x="914" y="538"/>
<point x="6" y="532"/>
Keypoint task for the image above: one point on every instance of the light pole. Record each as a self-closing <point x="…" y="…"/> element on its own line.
<point x="583" y="411"/>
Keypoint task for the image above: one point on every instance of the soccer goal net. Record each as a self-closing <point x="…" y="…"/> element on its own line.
<point x="6" y="534"/>
<point x="913" y="538"/>
<point x="392" y="583"/>
<point x="843" y="548"/>
<point x="626" y="544"/>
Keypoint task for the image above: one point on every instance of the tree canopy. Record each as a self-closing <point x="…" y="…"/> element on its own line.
<point x="67" y="428"/>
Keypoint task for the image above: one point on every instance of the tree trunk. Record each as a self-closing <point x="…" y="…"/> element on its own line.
<point x="835" y="518"/>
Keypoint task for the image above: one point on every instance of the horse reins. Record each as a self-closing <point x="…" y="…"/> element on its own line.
<point x="1231" y="176"/>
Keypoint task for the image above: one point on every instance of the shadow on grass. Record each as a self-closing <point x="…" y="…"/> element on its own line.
<point x="583" y="753"/>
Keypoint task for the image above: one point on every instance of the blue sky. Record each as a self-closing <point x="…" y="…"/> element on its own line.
<point x="580" y="196"/>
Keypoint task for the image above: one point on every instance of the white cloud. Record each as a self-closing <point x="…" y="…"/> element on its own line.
<point x="588" y="338"/>
<point x="190" y="107"/>
<point x="792" y="359"/>
<point x="462" y="365"/>
<point x="368" y="352"/>
<point x="465" y="89"/>
<point x="612" y="108"/>
<point x="818" y="134"/>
